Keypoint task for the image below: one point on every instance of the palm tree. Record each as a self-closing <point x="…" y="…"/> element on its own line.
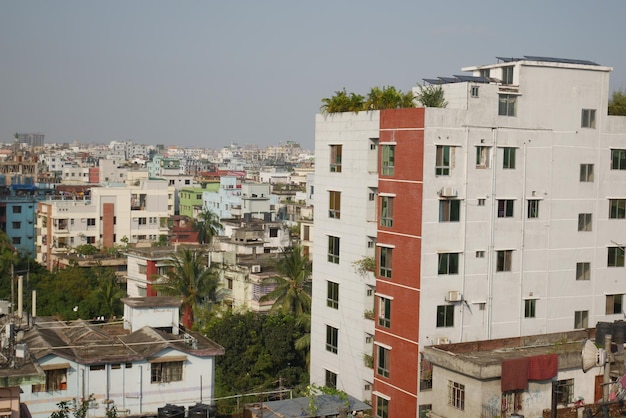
<point x="108" y="290"/>
<point x="192" y="280"/>
<point x="431" y="96"/>
<point x="293" y="288"/>
<point x="208" y="226"/>
<point x="340" y="102"/>
<point x="303" y="343"/>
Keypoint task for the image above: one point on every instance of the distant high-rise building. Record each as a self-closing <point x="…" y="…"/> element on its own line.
<point x="500" y="215"/>
<point x="32" y="140"/>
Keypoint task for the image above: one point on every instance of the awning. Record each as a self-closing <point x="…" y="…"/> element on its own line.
<point x="56" y="366"/>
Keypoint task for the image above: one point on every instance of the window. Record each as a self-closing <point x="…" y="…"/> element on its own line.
<point x="382" y="366"/>
<point x="332" y="295"/>
<point x="586" y="173"/>
<point x="503" y="260"/>
<point x="445" y="316"/>
<point x="449" y="210"/>
<point x="331" y="379"/>
<point x="448" y="263"/>
<point x="16" y="224"/>
<point x="56" y="380"/>
<point x="335" y="158"/>
<point x="614" y="304"/>
<point x="617" y="208"/>
<point x="588" y="119"/>
<point x="581" y="319"/>
<point x="505" y="208"/>
<point x="529" y="308"/>
<point x="584" y="221"/>
<point x="385" y="261"/>
<point x="507" y="75"/>
<point x="506" y="104"/>
<point x="533" y="209"/>
<point x="17" y="209"/>
<point x="382" y="407"/>
<point x="618" y="159"/>
<point x="384" y="312"/>
<point x="273" y="232"/>
<point x="386" y="211"/>
<point x="583" y="271"/>
<point x="508" y="158"/>
<point x="480" y="254"/>
<point x="334" y="205"/>
<point x="564" y="391"/>
<point x="388" y="160"/>
<point x="142" y="268"/>
<point x="456" y="395"/>
<point x="442" y="160"/>
<point x="16" y="240"/>
<point x="481" y="202"/>
<point x="482" y="157"/>
<point x="332" y="339"/>
<point x="92" y="221"/>
<point x="474" y="91"/>
<point x="333" y="249"/>
<point x="91" y="240"/>
<point x="166" y="371"/>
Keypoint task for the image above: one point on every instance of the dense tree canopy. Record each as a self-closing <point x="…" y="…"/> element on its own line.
<point x="259" y="353"/>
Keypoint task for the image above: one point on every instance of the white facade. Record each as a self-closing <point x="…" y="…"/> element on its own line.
<point x="534" y="212"/>
<point x="356" y="229"/>
<point x="135" y="212"/>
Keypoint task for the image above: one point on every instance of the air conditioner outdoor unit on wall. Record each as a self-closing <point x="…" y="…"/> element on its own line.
<point x="447" y="192"/>
<point x="443" y="340"/>
<point x="454" y="296"/>
<point x="255" y="269"/>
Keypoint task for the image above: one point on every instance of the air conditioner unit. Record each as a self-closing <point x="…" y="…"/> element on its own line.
<point x="443" y="340"/>
<point x="454" y="296"/>
<point x="255" y="269"/>
<point x="447" y="192"/>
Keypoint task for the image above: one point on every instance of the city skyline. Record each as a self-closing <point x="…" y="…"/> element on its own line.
<point x="203" y="74"/>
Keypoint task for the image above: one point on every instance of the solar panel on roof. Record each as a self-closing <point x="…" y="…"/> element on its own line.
<point x="449" y="79"/>
<point x="433" y="81"/>
<point x="476" y="79"/>
<point x="561" y="60"/>
<point x="507" y="59"/>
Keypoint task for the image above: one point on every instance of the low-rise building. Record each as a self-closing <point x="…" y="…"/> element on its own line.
<point x="507" y="377"/>
<point x="139" y="365"/>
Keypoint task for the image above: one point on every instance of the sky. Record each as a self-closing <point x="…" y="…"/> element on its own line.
<point x="211" y="73"/>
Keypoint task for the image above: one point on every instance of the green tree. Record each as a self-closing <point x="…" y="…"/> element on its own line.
<point x="303" y="343"/>
<point x="431" y="96"/>
<point x="339" y="102"/>
<point x="292" y="293"/>
<point x="77" y="409"/>
<point x="67" y="293"/>
<point x="617" y="104"/>
<point x="109" y="292"/>
<point x="87" y="249"/>
<point x="208" y="226"/>
<point x="189" y="278"/>
<point x="259" y="353"/>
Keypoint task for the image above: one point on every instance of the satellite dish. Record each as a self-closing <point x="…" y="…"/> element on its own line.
<point x="592" y="356"/>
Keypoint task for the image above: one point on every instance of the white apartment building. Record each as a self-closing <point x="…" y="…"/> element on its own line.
<point x="501" y="215"/>
<point x="136" y="214"/>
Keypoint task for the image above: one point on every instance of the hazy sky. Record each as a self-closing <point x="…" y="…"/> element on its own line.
<point x="209" y="73"/>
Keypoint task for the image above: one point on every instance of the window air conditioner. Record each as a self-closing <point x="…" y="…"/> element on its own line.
<point x="447" y="192"/>
<point x="443" y="340"/>
<point x="255" y="269"/>
<point x="454" y="296"/>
